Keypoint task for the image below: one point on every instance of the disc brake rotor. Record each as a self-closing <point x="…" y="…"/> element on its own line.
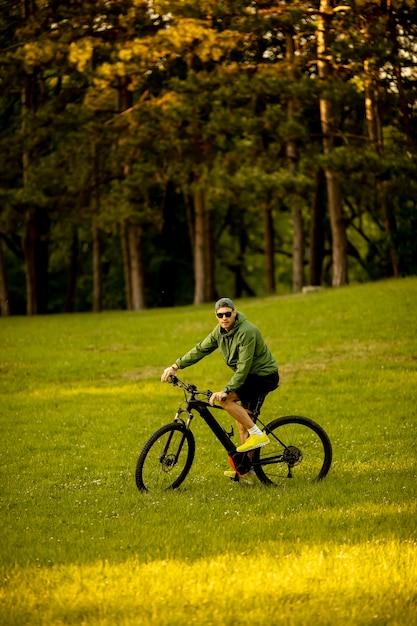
<point x="168" y="462"/>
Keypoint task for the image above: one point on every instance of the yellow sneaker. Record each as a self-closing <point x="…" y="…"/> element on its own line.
<point x="252" y="442"/>
<point x="250" y="478"/>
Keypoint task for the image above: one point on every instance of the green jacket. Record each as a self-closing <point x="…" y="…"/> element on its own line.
<point x="242" y="348"/>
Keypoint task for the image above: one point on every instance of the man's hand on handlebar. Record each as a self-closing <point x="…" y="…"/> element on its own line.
<point x="217" y="396"/>
<point x="169" y="371"/>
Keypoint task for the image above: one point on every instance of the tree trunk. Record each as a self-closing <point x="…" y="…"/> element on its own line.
<point x="374" y="126"/>
<point x="137" y="280"/>
<point x="97" y="268"/>
<point x="373" y="121"/>
<point x="124" y="238"/>
<point x="28" y="247"/>
<point x="35" y="253"/>
<point x="131" y="234"/>
<point x="298" y="247"/>
<point x="97" y="238"/>
<point x="317" y="231"/>
<point x="292" y="158"/>
<point x="396" y="62"/>
<point x="390" y="224"/>
<point x="338" y="228"/>
<point x="69" y="304"/>
<point x="203" y="250"/>
<point x="297" y="220"/>
<point x="209" y="283"/>
<point x="269" y="255"/>
<point x="36" y="227"/>
<point x="199" y="244"/>
<point x="4" y="296"/>
<point x="334" y="194"/>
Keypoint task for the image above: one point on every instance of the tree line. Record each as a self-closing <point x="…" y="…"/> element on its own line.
<point x="156" y="153"/>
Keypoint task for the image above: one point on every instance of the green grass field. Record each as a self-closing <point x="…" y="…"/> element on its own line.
<point x="80" y="394"/>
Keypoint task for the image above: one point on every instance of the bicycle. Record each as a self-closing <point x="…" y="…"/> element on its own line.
<point x="298" y="447"/>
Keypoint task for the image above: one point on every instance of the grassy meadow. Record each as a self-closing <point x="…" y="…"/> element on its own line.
<point x="80" y="394"/>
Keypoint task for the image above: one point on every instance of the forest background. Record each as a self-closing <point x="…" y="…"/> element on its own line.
<point x="166" y="152"/>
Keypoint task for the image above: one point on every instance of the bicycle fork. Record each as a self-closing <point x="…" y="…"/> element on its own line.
<point x="168" y="457"/>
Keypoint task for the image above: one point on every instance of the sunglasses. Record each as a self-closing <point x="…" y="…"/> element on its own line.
<point x="227" y="314"/>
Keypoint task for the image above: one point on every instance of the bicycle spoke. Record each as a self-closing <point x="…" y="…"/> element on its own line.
<point x="165" y="459"/>
<point x="299" y="449"/>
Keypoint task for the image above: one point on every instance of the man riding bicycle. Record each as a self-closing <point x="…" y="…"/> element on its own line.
<point x="255" y="371"/>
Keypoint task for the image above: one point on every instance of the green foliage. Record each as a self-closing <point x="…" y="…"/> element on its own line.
<point x="80" y="394"/>
<point x="167" y="93"/>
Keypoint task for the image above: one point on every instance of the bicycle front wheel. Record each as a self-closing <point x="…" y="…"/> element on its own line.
<point x="299" y="448"/>
<point x="165" y="459"/>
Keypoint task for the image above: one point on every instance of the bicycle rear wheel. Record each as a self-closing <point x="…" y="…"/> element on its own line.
<point x="299" y="448"/>
<point x="165" y="459"/>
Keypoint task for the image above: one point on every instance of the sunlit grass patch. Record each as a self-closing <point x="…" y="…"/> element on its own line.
<point x="345" y="584"/>
<point x="48" y="392"/>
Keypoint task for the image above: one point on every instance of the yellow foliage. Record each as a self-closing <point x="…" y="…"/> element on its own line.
<point x="357" y="82"/>
<point x="139" y="48"/>
<point x="125" y="54"/>
<point x="106" y="70"/>
<point x="146" y="52"/>
<point x="101" y="94"/>
<point x="166" y="100"/>
<point x="100" y="85"/>
<point x="120" y="69"/>
<point x="37" y="53"/>
<point x="181" y="35"/>
<point x="80" y="53"/>
<point x="195" y="34"/>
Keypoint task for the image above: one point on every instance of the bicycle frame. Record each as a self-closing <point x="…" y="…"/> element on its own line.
<point x="202" y="409"/>
<point x="193" y="404"/>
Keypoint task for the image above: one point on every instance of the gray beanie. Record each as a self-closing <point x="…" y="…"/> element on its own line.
<point x="224" y="302"/>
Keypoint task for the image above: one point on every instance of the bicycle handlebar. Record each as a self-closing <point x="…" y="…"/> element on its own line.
<point x="188" y="387"/>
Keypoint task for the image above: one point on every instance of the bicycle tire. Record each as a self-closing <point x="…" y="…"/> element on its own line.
<point x="299" y="448"/>
<point x="165" y="459"/>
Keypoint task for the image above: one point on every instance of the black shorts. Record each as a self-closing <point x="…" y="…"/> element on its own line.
<point x="255" y="388"/>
